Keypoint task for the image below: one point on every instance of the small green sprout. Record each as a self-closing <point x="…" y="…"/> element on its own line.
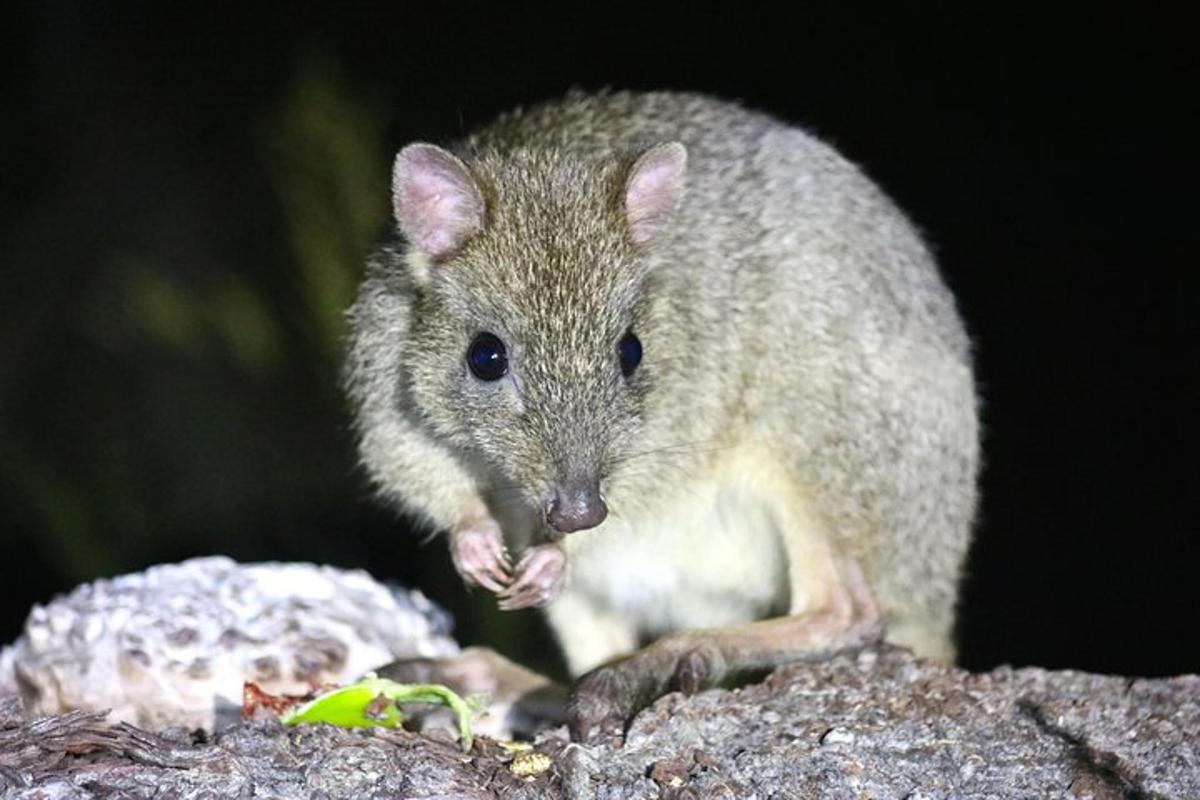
<point x="372" y="703"/>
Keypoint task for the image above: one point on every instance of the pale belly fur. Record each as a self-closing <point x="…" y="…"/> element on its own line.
<point x="710" y="556"/>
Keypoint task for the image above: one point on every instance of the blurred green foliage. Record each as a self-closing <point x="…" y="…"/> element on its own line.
<point x="179" y="390"/>
<point x="169" y="368"/>
<point x="325" y="150"/>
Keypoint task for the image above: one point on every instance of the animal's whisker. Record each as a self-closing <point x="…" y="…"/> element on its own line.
<point x="680" y="448"/>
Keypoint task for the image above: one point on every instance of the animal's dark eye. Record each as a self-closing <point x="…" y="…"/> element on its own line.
<point x="629" y="350"/>
<point x="487" y="357"/>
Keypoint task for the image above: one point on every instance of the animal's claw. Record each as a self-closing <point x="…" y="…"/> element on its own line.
<point x="537" y="578"/>
<point x="479" y="556"/>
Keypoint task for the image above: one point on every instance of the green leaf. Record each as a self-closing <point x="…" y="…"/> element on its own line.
<point x="347" y="707"/>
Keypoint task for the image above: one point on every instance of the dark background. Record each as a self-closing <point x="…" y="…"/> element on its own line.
<point x="187" y="197"/>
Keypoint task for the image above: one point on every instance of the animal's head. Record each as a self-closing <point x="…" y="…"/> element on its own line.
<point x="530" y="319"/>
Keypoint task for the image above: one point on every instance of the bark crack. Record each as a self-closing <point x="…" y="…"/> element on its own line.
<point x="1094" y="765"/>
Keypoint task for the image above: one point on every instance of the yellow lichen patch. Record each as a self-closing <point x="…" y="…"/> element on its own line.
<point x="529" y="765"/>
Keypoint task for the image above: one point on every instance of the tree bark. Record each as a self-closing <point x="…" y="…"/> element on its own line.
<point x="872" y="723"/>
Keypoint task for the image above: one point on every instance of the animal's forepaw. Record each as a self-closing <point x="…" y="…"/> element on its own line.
<point x="478" y="552"/>
<point x="537" y="579"/>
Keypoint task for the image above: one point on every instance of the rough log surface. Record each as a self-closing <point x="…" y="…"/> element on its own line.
<point x="872" y="724"/>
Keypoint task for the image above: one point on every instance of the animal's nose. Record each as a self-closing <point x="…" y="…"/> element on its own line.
<point x="575" y="507"/>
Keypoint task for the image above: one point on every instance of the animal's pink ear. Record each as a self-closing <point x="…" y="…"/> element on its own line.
<point x="437" y="202"/>
<point x="653" y="189"/>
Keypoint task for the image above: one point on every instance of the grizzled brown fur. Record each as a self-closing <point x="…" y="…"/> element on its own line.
<point x="804" y="414"/>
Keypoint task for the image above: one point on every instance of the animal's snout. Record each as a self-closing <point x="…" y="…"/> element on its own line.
<point x="575" y="506"/>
